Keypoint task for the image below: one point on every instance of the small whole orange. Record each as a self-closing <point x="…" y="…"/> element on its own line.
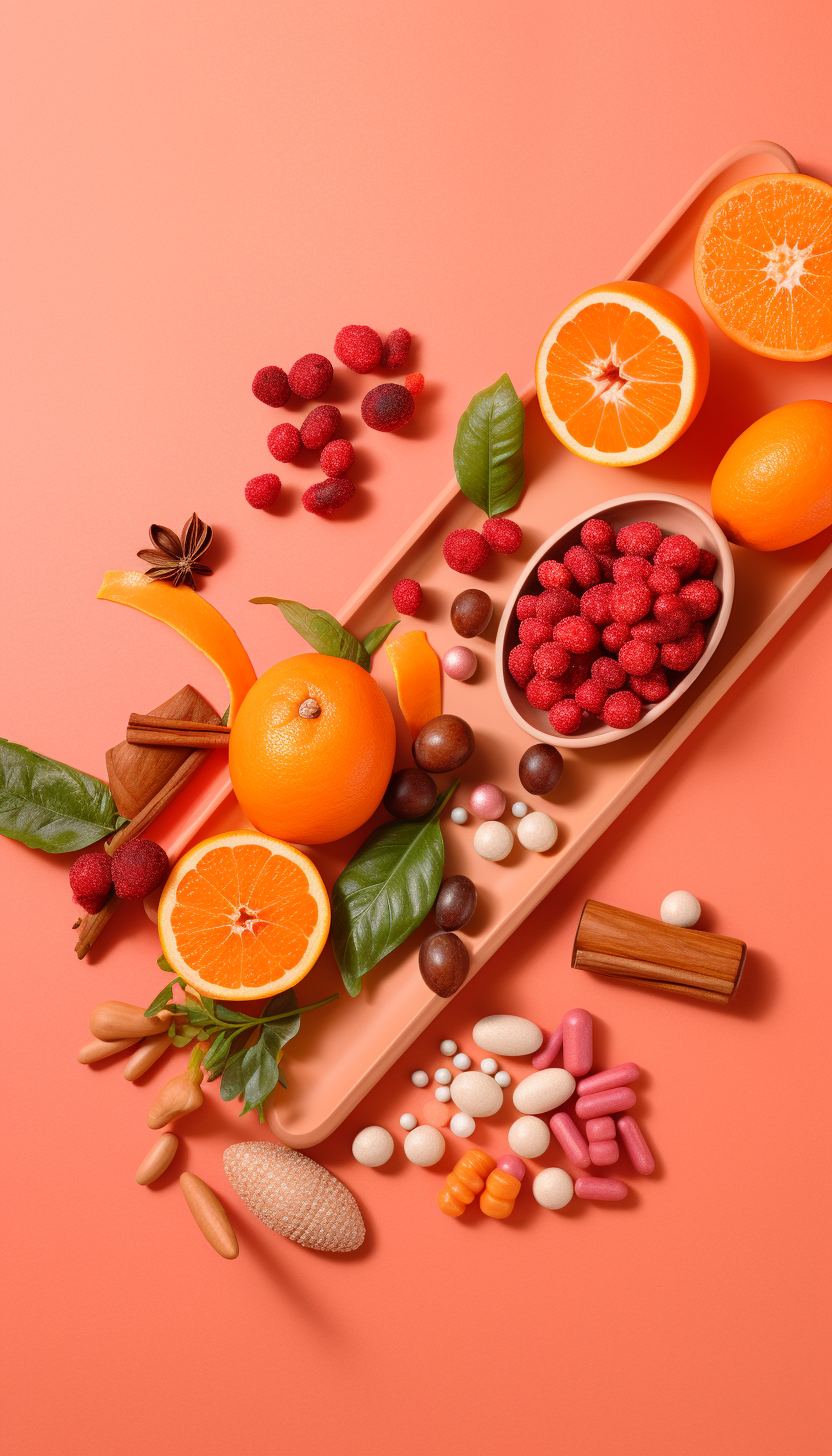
<point x="773" y="486"/>
<point x="311" y="749"/>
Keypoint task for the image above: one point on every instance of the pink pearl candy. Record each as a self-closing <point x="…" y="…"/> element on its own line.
<point x="603" y="1153"/>
<point x="487" y="801"/>
<point x="577" y="1042"/>
<point x="613" y="1077"/>
<point x="598" y="1104"/>
<point x="606" y="1190"/>
<point x="633" y="1139"/>
<point x="549" y="1050"/>
<point x="598" y="1129"/>
<point x="570" y="1139"/>
<point x="514" y="1165"/>
<point x="459" y="663"/>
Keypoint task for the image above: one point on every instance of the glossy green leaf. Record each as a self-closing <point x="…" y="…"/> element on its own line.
<point x="233" y="1081"/>
<point x="320" y="630"/>
<point x="374" y="639"/>
<point x="161" y="1000"/>
<point x="488" y="450"/>
<point x="276" y="1033"/>
<point x="48" y="805"/>
<point x="259" y="1072"/>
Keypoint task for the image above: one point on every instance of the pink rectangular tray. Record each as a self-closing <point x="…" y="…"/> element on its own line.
<point x="341" y="1051"/>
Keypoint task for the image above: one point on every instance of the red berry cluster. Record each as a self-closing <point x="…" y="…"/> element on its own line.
<point x="134" y="870"/>
<point x="614" y="617"/>
<point x="468" y="550"/>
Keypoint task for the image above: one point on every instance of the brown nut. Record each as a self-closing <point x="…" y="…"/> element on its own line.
<point x="445" y="743"/>
<point x="113" y="1020"/>
<point x="211" y="1218"/>
<point x="410" y="794"/>
<point x="443" y="962"/>
<point x="455" y="903"/>
<point x="159" y="1158"/>
<point x="471" y="612"/>
<point x="540" y="768"/>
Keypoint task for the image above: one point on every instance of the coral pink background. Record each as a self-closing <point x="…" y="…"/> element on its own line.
<point x="193" y="190"/>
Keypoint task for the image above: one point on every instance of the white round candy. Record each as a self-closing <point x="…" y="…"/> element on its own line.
<point x="553" y="1188"/>
<point x="442" y="1094"/>
<point x="462" y="1062"/>
<point x="442" y="1076"/>
<point x="424" y="1146"/>
<point x="373" y="1146"/>
<point x="489" y="1066"/>
<point x="508" y="1036"/>
<point x="462" y="1125"/>
<point x="459" y="816"/>
<point x="447" y="1047"/>
<point x="543" y="1091"/>
<point x="502" y="1079"/>
<point x="537" y="831"/>
<point x="529" y="1137"/>
<point x="493" y="840"/>
<point x="519" y="810"/>
<point x="408" y="1121"/>
<point x="476" y="1094"/>
<point x="680" y="908"/>
<point x="419" y="1079"/>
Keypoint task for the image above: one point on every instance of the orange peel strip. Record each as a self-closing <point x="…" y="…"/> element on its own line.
<point x="418" y="679"/>
<point x="193" y="618"/>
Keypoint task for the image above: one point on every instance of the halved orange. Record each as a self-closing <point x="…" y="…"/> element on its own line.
<point x="763" y="265"/>
<point x="243" y="916"/>
<point x="622" y="371"/>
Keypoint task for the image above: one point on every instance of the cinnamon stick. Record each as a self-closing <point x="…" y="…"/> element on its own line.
<point x="185" y="725"/>
<point x="155" y="732"/>
<point x="639" y="950"/>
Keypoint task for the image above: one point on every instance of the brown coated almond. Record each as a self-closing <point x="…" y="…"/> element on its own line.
<point x="159" y="1158"/>
<point x="96" y="1051"/>
<point x="146" y="1056"/>
<point x="113" y="1020"/>
<point x="211" y="1218"/>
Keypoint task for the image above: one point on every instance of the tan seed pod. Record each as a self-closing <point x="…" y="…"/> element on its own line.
<point x="146" y="1055"/>
<point x="159" y="1158"/>
<point x="179" y="1096"/>
<point x="212" y="1219"/>
<point x="295" y="1196"/>
<point x="96" y="1051"/>
<point x="113" y="1020"/>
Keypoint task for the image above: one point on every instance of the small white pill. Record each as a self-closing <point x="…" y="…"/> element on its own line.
<point x="419" y="1079"/>
<point x="493" y="840"/>
<point x="680" y="908"/>
<point x="442" y="1094"/>
<point x="462" y="1125"/>
<point x="503" y="1079"/>
<point x="519" y="810"/>
<point x="489" y="1066"/>
<point x="537" y="831"/>
<point x="408" y="1121"/>
<point x="459" y="816"/>
<point x="462" y="1062"/>
<point x="373" y="1146"/>
<point x="447" y="1047"/>
<point x="442" y="1076"/>
<point x="424" y="1146"/>
<point x="553" y="1188"/>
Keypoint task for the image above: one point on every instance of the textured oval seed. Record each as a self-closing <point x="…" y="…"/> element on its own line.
<point x="211" y="1218"/>
<point x="159" y="1158"/>
<point x="146" y="1056"/>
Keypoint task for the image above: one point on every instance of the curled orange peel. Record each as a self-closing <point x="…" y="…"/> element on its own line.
<point x="418" y="679"/>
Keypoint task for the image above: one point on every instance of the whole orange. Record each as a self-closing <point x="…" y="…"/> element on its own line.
<point x="773" y="486"/>
<point x="311" y="749"/>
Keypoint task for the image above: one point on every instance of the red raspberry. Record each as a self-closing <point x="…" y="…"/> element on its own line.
<point x="526" y="607"/>
<point x="663" y="579"/>
<point x="407" y="597"/>
<point x="576" y="674"/>
<point x="591" y="696"/>
<point x="648" y="630"/>
<point x="640" y="539"/>
<point x="652" y="687"/>
<point x="327" y="496"/>
<point x="707" y="563"/>
<point x="337" y="457"/>
<point x="621" y="710"/>
<point x="614" y="636"/>
<point x="679" y="552"/>
<point x="596" y="603"/>
<point x="521" y="665"/>
<point x="284" y="442"/>
<point x="606" y="563"/>
<point x="396" y="349"/>
<point x="680" y="656"/>
<point x="551" y="660"/>
<point x="631" y="602"/>
<point x="91" y="880"/>
<point x="310" y="376"/>
<point x="387" y="407"/>
<point x="674" y="618"/>
<point x="565" y="717"/>
<point x="465" y="550"/>
<point x="319" y="426"/>
<point x="701" y="598"/>
<point x="359" y="347"/>
<point x="542" y="692"/>
<point x="554" y="573"/>
<point x="262" y="491"/>
<point x="638" y="656"/>
<point x="555" y="603"/>
<point x="139" y="867"/>
<point x="631" y="568"/>
<point x="577" y="634"/>
<point x="583" y="566"/>
<point x="667" y="605"/>
<point x="502" y="535"/>
<point x="414" y="384"/>
<point x="533" y="633"/>
<point x="598" y="535"/>
<point x="609" y="673"/>
<point x="271" y="386"/>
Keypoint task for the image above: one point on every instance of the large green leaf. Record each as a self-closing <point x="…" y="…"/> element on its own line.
<point x="386" y="890"/>
<point x="50" y="806"/>
<point x="320" y="630"/>
<point x="277" y="1032"/>
<point x="488" y="450"/>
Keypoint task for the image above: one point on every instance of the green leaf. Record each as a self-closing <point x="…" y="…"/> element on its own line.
<point x="168" y="969"/>
<point x="386" y="890"/>
<point x="224" y="1013"/>
<point x="276" y="1033"/>
<point x="320" y="630"/>
<point x="50" y="806"/>
<point x="216" y="1053"/>
<point x="232" y="1082"/>
<point x="160" y="1001"/>
<point x="488" y="450"/>
<point x="185" y="1034"/>
<point x="260" y="1072"/>
<point x="374" y="639"/>
<point x="226" y="715"/>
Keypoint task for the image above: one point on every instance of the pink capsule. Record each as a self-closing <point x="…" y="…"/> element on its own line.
<point x="633" y="1139"/>
<point x="570" y="1139"/>
<point x="577" y="1042"/>
<point x="613" y="1077"/>
<point x="598" y="1129"/>
<point x="606" y="1190"/>
<point x="603" y="1153"/>
<point x="514" y="1165"/>
<point x="549" y="1050"/>
<point x="598" y="1104"/>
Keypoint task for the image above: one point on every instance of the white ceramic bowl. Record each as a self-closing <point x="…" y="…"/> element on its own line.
<point x="675" y="516"/>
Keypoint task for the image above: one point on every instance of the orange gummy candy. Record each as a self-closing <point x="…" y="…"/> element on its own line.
<point x="500" y="1192"/>
<point x="465" y="1181"/>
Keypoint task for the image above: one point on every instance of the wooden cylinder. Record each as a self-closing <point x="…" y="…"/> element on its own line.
<point x="641" y="951"/>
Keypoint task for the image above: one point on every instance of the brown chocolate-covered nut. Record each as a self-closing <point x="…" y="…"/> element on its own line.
<point x="455" y="903"/>
<point x="443" y="962"/>
<point x="540" y="768"/>
<point x="471" y="612"/>
<point x="410" y="794"/>
<point x="445" y="743"/>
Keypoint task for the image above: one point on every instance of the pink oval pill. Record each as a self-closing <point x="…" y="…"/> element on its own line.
<point x="549" y="1050"/>
<point x="613" y="1077"/>
<point x="598" y="1104"/>
<point x="512" y="1164"/>
<point x="570" y="1139"/>
<point x="633" y="1139"/>
<point x="599" y="1128"/>
<point x="606" y="1190"/>
<point x="604" y="1152"/>
<point x="577" y="1041"/>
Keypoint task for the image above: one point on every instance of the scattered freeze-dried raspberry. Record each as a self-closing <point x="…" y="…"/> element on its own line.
<point x="707" y="563"/>
<point x="577" y="634"/>
<point x="638" y="656"/>
<point x="521" y="664"/>
<point x="542" y="692"/>
<point x="551" y="660"/>
<point x="631" y="568"/>
<point x="407" y="596"/>
<point x="320" y="425"/>
<point x="609" y="673"/>
<point x="91" y="880"/>
<point x="284" y="442"/>
<point x="532" y="632"/>
<point x="526" y="607"/>
<point x="614" y="636"/>
<point x="387" y="407"/>
<point x="681" y="655"/>
<point x="502" y="535"/>
<point x="554" y="573"/>
<point x="640" y="539"/>
<point x="262" y="491"/>
<point x="701" y="598"/>
<point x="591" y="696"/>
<point x="465" y="550"/>
<point x="679" y="552"/>
<point x="583" y="566"/>
<point x="396" y="349"/>
<point x="310" y="376"/>
<point x="565" y="717"/>
<point x="631" y="602"/>
<point x="663" y="579"/>
<point x="414" y="384"/>
<point x="556" y="602"/>
<point x="271" y="386"/>
<point x="598" y="535"/>
<point x="139" y="867"/>
<point x="652" y="687"/>
<point x="359" y="347"/>
<point x="596" y="603"/>
<point x="337" y="457"/>
<point x="327" y="496"/>
<point x="606" y="563"/>
<point x="621" y="710"/>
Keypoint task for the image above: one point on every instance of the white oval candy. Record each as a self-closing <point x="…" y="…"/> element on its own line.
<point x="680" y="908"/>
<point x="447" y="1047"/>
<point x="553" y="1188"/>
<point x="493" y="840"/>
<point x="537" y="831"/>
<point x="508" y="1036"/>
<point x="462" y="1125"/>
<point x="477" y="1094"/>
<point x="529" y="1137"/>
<point x="424" y="1146"/>
<point x="408" y="1121"/>
<point x="543" y="1091"/>
<point x="373" y="1147"/>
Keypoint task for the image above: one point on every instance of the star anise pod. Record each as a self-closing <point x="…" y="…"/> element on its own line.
<point x="175" y="560"/>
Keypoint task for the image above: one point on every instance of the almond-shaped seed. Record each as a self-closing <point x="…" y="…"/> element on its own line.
<point x="211" y="1217"/>
<point x="159" y="1158"/>
<point x="147" y="1055"/>
<point x="96" y="1051"/>
<point x="113" y="1020"/>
